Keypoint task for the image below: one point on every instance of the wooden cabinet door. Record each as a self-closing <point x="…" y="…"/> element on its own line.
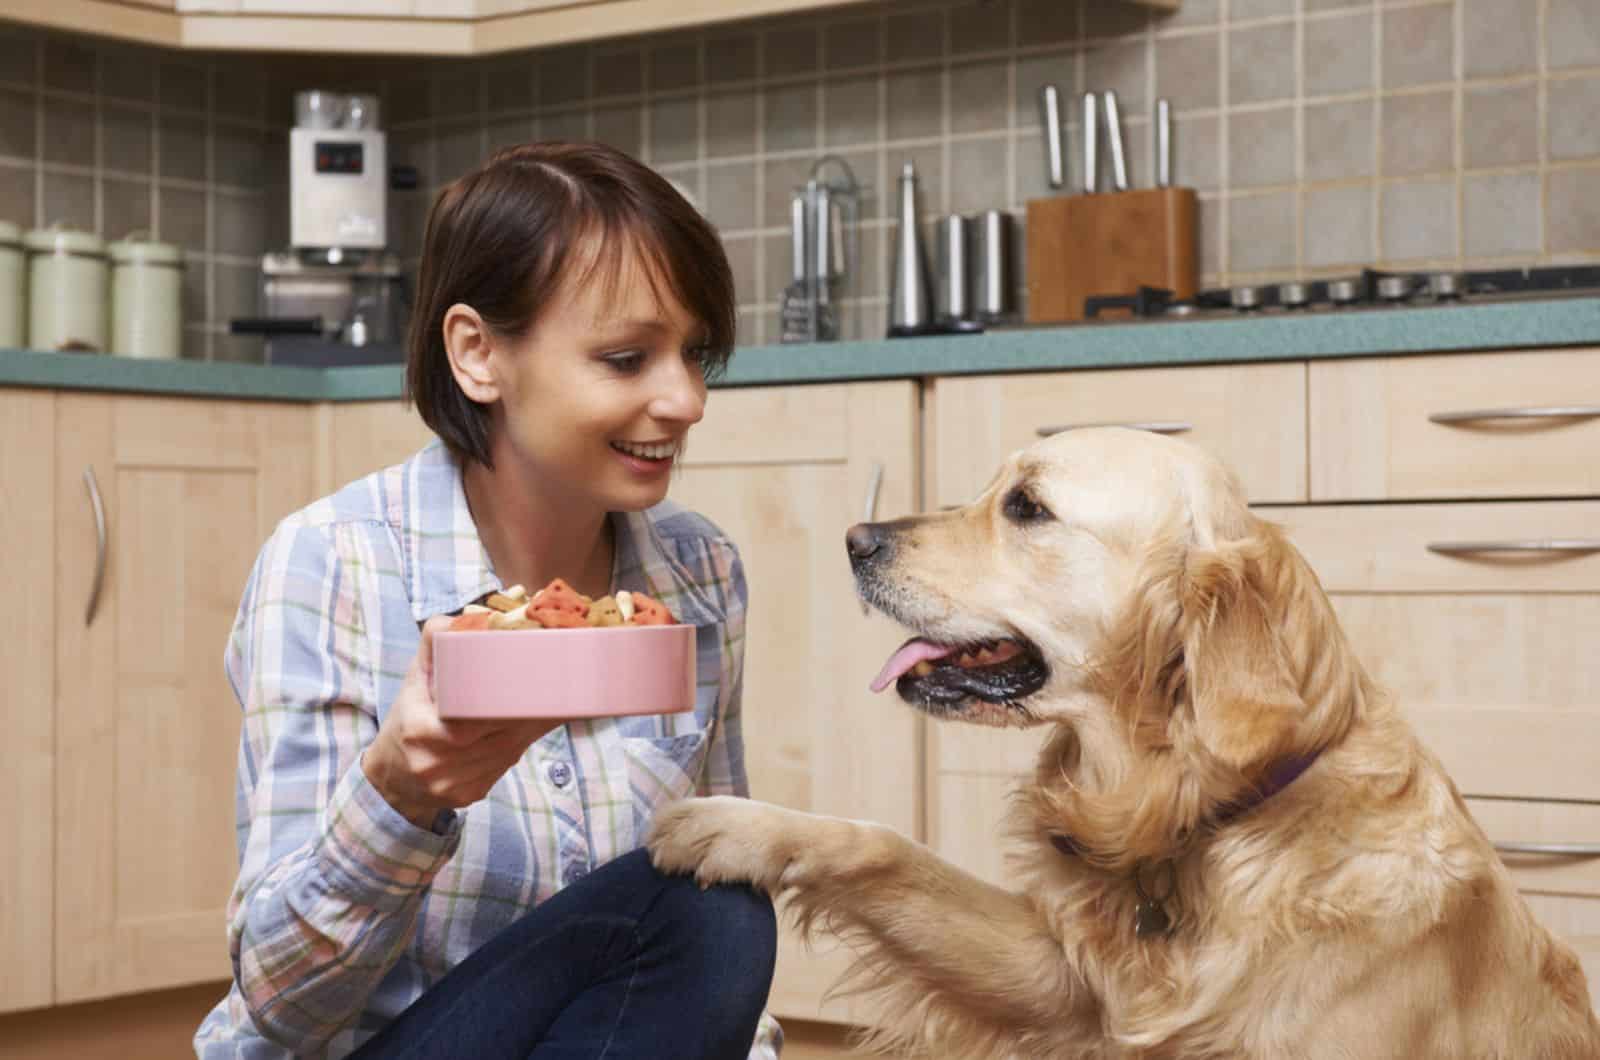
<point x="147" y="727"/>
<point x="1251" y="415"/>
<point x="784" y="471"/>
<point x="27" y="694"/>
<point x="367" y="436"/>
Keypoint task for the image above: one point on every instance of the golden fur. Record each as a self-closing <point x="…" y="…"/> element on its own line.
<point x="1357" y="914"/>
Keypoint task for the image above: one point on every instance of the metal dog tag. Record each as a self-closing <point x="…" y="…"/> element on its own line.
<point x="1151" y="919"/>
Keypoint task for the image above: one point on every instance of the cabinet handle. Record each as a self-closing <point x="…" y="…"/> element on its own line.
<point x="100" y="543"/>
<point x="874" y="484"/>
<point x="1532" y="412"/>
<point x="1463" y="548"/>
<point x="1153" y="426"/>
<point x="870" y="512"/>
<point x="1563" y="850"/>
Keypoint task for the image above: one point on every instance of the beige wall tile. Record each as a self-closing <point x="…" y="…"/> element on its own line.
<point x="1261" y="63"/>
<point x="181" y="217"/>
<point x="1261" y="147"/>
<point x="979" y="26"/>
<point x="1338" y="226"/>
<point x="1337" y="53"/>
<point x="1339" y="140"/>
<point x="1197" y="152"/>
<point x="1261" y="232"/>
<point x="978" y="98"/>
<point x="1418" y="220"/>
<point x="68" y="134"/>
<point x="1572" y="34"/>
<point x="183" y="147"/>
<point x="1500" y="125"/>
<point x="620" y="126"/>
<point x="915" y="103"/>
<point x="1121" y="67"/>
<point x="1418" y="45"/>
<point x="1188" y="70"/>
<point x="1033" y="72"/>
<point x="851" y="111"/>
<point x="738" y="57"/>
<point x="1574" y="211"/>
<point x="790" y="50"/>
<point x="17" y="195"/>
<point x="18" y="124"/>
<point x="1046" y="21"/>
<point x="69" y="64"/>
<point x="1499" y="37"/>
<point x="69" y="199"/>
<point x="1501" y="214"/>
<point x="731" y="195"/>
<point x="674" y="65"/>
<point x="791" y="116"/>
<point x="1574" y="120"/>
<point x="854" y="43"/>
<point x="730" y="124"/>
<point x="914" y="37"/>
<point x="1418" y="133"/>
<point x="978" y="175"/>
<point x="240" y="224"/>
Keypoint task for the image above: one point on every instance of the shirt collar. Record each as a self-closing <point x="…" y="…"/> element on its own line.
<point x="447" y="566"/>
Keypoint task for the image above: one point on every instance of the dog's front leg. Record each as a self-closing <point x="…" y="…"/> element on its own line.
<point x="940" y="947"/>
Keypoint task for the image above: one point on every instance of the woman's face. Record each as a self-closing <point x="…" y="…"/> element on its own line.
<point x="597" y="397"/>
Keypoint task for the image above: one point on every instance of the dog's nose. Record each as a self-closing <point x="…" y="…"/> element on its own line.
<point x="863" y="540"/>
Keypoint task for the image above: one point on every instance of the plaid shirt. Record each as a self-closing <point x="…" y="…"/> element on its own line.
<point x="344" y="912"/>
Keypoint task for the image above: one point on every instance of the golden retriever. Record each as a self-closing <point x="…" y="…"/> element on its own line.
<point x="1232" y="845"/>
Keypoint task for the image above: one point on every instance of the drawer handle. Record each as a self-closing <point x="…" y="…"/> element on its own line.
<point x="1562" y="850"/>
<point x="99" y="509"/>
<point x="1463" y="548"/>
<point x="1153" y="426"/>
<point x="1534" y="412"/>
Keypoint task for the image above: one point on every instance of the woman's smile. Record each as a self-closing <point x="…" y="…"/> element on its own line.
<point x="647" y="458"/>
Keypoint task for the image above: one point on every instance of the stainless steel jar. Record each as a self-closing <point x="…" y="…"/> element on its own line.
<point x="68" y="285"/>
<point x="146" y="299"/>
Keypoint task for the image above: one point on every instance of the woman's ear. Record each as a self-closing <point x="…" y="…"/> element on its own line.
<point x="1246" y="700"/>
<point x="469" y="344"/>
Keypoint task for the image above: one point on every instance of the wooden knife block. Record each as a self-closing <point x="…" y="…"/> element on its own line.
<point x="1111" y="243"/>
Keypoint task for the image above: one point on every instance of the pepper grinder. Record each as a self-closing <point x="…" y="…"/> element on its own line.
<point x="909" y="310"/>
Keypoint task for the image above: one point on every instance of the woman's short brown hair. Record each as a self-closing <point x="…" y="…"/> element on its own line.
<point x="502" y="238"/>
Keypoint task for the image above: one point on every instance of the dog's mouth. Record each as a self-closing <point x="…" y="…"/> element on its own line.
<point x="939" y="675"/>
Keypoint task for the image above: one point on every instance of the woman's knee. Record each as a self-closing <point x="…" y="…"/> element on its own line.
<point x="731" y="923"/>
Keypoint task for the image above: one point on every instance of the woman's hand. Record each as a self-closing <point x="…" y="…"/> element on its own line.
<point x="422" y="764"/>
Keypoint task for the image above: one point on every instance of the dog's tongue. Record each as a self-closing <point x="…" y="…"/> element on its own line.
<point x="911" y="652"/>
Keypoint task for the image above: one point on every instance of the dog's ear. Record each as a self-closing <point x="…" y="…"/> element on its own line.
<point x="1246" y="700"/>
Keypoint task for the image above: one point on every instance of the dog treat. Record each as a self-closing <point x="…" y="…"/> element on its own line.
<point x="560" y="606"/>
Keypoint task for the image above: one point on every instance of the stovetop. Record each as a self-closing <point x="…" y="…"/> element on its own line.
<point x="1370" y="289"/>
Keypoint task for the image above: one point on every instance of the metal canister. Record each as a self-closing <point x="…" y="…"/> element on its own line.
<point x="13" y="288"/>
<point x="994" y="266"/>
<point x="953" y="280"/>
<point x="146" y="299"/>
<point x="68" y="285"/>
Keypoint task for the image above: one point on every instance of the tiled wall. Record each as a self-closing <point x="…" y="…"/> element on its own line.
<point x="1321" y="134"/>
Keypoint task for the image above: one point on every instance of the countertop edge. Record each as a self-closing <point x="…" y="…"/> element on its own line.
<point x="1509" y="325"/>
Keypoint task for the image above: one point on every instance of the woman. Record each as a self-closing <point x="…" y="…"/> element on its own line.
<point x="411" y="887"/>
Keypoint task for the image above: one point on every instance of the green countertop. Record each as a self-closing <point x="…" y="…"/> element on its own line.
<point x="1508" y="325"/>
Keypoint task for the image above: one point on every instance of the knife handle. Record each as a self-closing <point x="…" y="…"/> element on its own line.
<point x="1050" y="115"/>
<point x="1091" y="143"/>
<point x="1119" y="160"/>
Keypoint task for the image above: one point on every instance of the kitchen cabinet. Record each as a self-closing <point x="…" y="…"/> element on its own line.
<point x="1253" y="416"/>
<point x="784" y="471"/>
<point x="402" y="27"/>
<point x="365" y="436"/>
<point x="146" y="738"/>
<point x="28" y="706"/>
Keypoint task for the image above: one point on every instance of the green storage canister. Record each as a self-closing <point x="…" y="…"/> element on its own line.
<point x="68" y="284"/>
<point x="13" y="288"/>
<point x="146" y="298"/>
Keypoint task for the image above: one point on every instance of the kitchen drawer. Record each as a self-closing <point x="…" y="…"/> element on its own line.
<point x="1373" y="438"/>
<point x="1253" y="416"/>
<point x="1491" y="657"/>
<point x="1561" y="824"/>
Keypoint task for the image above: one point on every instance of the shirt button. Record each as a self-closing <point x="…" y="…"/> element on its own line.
<point x="560" y="774"/>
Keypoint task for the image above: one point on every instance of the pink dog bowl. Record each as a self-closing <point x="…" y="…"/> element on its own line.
<point x="564" y="673"/>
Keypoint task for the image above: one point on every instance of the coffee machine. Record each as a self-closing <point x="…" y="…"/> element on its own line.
<point x="336" y="295"/>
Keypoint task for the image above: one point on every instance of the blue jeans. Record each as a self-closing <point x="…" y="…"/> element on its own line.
<point x="625" y="964"/>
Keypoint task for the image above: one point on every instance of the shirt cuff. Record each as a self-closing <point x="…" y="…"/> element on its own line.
<point x="372" y="854"/>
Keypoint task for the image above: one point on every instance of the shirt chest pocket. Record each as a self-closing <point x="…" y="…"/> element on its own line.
<point x="661" y="769"/>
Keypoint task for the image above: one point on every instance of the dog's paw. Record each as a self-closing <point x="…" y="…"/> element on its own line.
<point x="723" y="839"/>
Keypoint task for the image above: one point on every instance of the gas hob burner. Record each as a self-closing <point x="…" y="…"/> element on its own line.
<point x="1372" y="289"/>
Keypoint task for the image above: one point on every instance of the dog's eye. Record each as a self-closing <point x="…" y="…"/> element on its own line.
<point x="1022" y="508"/>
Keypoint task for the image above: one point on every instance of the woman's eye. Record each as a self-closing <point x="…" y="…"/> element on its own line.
<point x="1019" y="507"/>
<point x="626" y="361"/>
